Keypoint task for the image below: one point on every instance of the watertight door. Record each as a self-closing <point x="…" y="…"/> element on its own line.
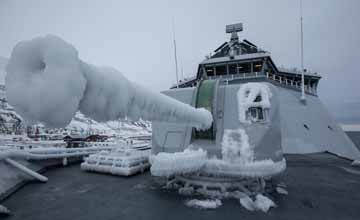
<point x="205" y="99"/>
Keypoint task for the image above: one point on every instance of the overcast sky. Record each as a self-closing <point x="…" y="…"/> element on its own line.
<point x="135" y="36"/>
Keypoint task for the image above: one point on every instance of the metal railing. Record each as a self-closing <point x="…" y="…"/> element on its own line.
<point x="238" y="76"/>
<point x="291" y="83"/>
<point x="274" y="77"/>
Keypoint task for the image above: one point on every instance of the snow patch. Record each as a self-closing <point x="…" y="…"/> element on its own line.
<point x="261" y="203"/>
<point x="247" y="94"/>
<point x="48" y="70"/>
<point x="169" y="164"/>
<point x="247" y="203"/>
<point x="204" y="204"/>
<point x="281" y="190"/>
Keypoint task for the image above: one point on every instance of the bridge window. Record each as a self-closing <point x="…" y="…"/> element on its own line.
<point x="244" y="67"/>
<point x="221" y="70"/>
<point x="209" y="71"/>
<point x="257" y="66"/>
<point x="232" y="68"/>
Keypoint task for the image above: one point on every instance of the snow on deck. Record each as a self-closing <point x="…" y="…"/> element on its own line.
<point x="204" y="204"/>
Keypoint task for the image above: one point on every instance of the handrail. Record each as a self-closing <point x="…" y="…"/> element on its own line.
<point x="45" y="154"/>
<point x="289" y="82"/>
<point x="270" y="76"/>
<point x="51" y="153"/>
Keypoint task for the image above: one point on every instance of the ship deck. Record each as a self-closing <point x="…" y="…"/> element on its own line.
<point x="320" y="186"/>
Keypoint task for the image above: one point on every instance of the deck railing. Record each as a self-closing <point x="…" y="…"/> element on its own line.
<point x="273" y="77"/>
<point x="291" y="83"/>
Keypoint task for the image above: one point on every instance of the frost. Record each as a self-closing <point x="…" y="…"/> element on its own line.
<point x="261" y="168"/>
<point x="247" y="97"/>
<point x="169" y="164"/>
<point x="237" y="160"/>
<point x="44" y="81"/>
<point x="47" y="82"/>
<point x="204" y="204"/>
<point x="261" y="203"/>
<point x="235" y="147"/>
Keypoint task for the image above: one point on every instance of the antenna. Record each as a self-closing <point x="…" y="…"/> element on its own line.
<point x="175" y="55"/>
<point x="182" y="70"/>
<point x="302" y="56"/>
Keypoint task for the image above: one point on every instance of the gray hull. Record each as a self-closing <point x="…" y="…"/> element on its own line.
<point x="322" y="132"/>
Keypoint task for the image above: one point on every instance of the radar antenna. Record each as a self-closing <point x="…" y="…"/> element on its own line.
<point x="234" y="40"/>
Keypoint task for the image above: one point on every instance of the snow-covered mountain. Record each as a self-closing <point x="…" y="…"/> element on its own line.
<point x="84" y="125"/>
<point x="10" y="122"/>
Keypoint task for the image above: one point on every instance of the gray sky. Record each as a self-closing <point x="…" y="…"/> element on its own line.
<point x="135" y="36"/>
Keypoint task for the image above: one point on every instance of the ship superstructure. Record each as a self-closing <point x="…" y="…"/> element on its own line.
<point x="275" y="120"/>
<point x="238" y="61"/>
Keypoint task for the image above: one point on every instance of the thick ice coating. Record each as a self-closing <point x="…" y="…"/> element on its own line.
<point x="252" y="95"/>
<point x="47" y="82"/>
<point x="44" y="82"/>
<point x="109" y="95"/>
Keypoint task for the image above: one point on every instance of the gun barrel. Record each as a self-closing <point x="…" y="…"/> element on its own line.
<point x="47" y="82"/>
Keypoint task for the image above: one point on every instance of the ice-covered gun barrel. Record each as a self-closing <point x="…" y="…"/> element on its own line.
<point x="47" y="82"/>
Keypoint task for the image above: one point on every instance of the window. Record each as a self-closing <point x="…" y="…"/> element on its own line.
<point x="256" y="114"/>
<point x="244" y="67"/>
<point x="232" y="68"/>
<point x="221" y="70"/>
<point x="209" y="71"/>
<point x="257" y="66"/>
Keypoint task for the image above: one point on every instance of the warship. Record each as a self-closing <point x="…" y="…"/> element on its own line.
<point x="252" y="101"/>
<point x="241" y="128"/>
<point x="289" y="124"/>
